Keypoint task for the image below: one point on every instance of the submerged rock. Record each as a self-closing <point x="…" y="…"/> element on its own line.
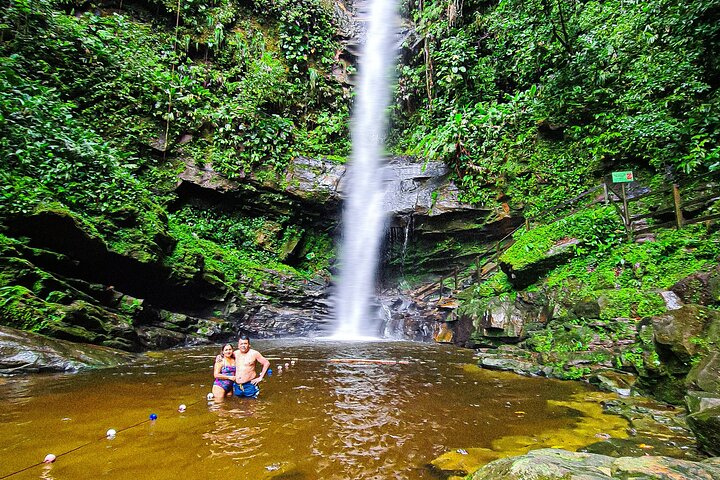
<point x="557" y="464"/>
<point x="656" y="428"/>
<point x="27" y="352"/>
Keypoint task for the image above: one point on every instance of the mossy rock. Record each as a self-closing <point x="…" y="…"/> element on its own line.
<point x="556" y="464"/>
<point x="697" y="401"/>
<point x="538" y="251"/>
<point x="706" y="425"/>
<point x="686" y="332"/>
<point x="27" y="352"/>
<point x="705" y="374"/>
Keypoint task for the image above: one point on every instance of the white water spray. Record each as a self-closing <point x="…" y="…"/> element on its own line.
<point x="364" y="214"/>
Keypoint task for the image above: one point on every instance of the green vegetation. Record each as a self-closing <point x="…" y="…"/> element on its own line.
<point x="234" y="250"/>
<point x="597" y="230"/>
<point x="529" y="103"/>
<point x="600" y="294"/>
<point x="639" y="267"/>
<point x="102" y="107"/>
<point x="533" y="100"/>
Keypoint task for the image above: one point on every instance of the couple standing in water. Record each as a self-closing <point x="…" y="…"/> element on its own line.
<point x="235" y="371"/>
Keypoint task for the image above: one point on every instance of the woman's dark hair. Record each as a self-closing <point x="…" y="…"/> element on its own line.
<point x="220" y="357"/>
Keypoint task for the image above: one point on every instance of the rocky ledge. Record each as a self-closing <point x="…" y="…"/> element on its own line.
<point x="557" y="464"/>
<point x="26" y="352"/>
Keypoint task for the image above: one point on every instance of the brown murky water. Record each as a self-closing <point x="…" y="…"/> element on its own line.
<point x="320" y="419"/>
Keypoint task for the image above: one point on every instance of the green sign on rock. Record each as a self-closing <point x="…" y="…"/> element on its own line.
<point x="622" y="177"/>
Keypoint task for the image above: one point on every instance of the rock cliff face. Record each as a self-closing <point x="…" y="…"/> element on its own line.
<point x="26" y="352"/>
<point x="93" y="293"/>
<point x="423" y="206"/>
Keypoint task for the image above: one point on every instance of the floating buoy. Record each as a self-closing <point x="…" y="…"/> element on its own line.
<point x="210" y="396"/>
<point x="49" y="458"/>
<point x="181" y="408"/>
<point x="111" y="433"/>
<point x="153" y="416"/>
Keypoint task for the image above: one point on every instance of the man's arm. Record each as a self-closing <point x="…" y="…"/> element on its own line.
<point x="265" y="365"/>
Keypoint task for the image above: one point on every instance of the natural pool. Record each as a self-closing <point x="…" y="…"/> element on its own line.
<point x="321" y="419"/>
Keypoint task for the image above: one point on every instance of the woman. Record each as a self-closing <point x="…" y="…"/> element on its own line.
<point x="224" y="373"/>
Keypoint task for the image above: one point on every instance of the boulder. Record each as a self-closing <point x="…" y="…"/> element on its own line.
<point x="706" y="426"/>
<point x="511" y="364"/>
<point x="613" y="381"/>
<point x="685" y="342"/>
<point x="557" y="464"/>
<point x="701" y="288"/>
<point x="705" y="374"/>
<point x="697" y="401"/>
<point x="27" y="352"/>
<point x="681" y="332"/>
<point x="503" y="319"/>
<point x="506" y="318"/>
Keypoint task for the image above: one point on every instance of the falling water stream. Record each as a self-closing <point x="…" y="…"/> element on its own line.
<point x="326" y="417"/>
<point x="364" y="214"/>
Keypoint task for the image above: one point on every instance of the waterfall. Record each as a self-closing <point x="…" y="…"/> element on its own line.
<point x="364" y="214"/>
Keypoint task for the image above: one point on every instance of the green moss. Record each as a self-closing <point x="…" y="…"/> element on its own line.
<point x="194" y="256"/>
<point x="642" y="267"/>
<point x="495" y="285"/>
<point x="629" y="303"/>
<point x="20" y="308"/>
<point x="597" y="230"/>
<point x="317" y="251"/>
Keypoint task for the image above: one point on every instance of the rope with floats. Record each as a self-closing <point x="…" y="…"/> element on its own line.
<point x="110" y="434"/>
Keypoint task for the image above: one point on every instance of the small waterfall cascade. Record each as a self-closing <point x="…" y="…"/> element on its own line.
<point x="406" y="237"/>
<point x="364" y="215"/>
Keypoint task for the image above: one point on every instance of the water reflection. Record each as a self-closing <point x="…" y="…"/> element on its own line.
<point x="330" y="416"/>
<point x="238" y="431"/>
<point x="364" y="414"/>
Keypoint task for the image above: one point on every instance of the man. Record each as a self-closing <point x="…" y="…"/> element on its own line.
<point x="246" y="377"/>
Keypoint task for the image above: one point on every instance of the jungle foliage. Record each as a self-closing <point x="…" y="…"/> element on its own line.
<point x="532" y="101"/>
<point x="96" y="103"/>
<point x="529" y="103"/>
<point x="101" y="104"/>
